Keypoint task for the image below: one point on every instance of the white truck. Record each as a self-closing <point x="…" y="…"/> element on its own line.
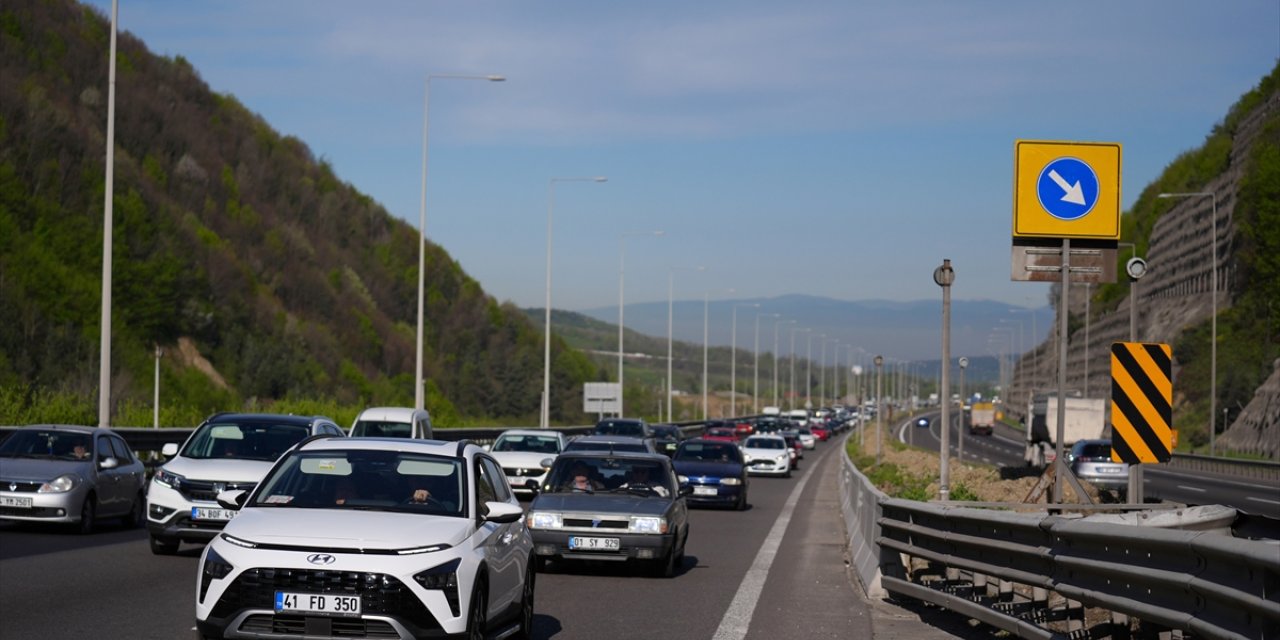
<point x="982" y="418"/>
<point x="1086" y="418"/>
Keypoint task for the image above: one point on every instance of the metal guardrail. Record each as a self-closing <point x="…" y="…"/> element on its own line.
<point x="1257" y="469"/>
<point x="1034" y="575"/>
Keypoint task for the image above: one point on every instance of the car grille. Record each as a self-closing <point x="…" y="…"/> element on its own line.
<point x="297" y="625"/>
<point x="20" y="486"/>
<point x="380" y="594"/>
<point x="587" y="523"/>
<point x="522" y="472"/>
<point x="207" y="490"/>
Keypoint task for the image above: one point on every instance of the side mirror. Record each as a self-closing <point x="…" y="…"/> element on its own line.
<point x="547" y="462"/>
<point x="685" y="490"/>
<point x="169" y="450"/>
<point x="487" y="447"/>
<point x="232" y="499"/>
<point x="503" y="512"/>
<point x="108" y="463"/>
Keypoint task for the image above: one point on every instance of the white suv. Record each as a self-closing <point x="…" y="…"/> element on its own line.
<point x="521" y="453"/>
<point x="392" y="422"/>
<point x="228" y="451"/>
<point x="356" y="537"/>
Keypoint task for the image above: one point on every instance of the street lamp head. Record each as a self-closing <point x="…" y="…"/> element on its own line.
<point x="495" y="78"/>
<point x="600" y="179"/>
<point x="879" y="360"/>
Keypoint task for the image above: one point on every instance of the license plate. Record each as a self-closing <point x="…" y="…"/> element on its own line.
<point x="1110" y="470"/>
<point x="594" y="544"/>
<point x="205" y="513"/>
<point x="21" y="503"/>
<point x="704" y="491"/>
<point x="318" y="603"/>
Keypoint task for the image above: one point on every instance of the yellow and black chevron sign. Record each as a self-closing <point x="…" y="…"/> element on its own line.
<point x="1141" y="402"/>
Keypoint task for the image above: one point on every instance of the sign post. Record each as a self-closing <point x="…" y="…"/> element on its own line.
<point x="1064" y="191"/>
<point x="601" y="398"/>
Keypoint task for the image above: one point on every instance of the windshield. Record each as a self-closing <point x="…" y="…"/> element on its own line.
<point x="533" y="444"/>
<point x="666" y="432"/>
<point x="380" y="429"/>
<point x="1091" y="451"/>
<point x="366" y="481"/>
<point x="620" y="428"/>
<point x="646" y="478"/>
<point x="765" y="443"/>
<point x="708" y="452"/>
<point x="723" y="433"/>
<point x="580" y="445"/>
<point x="249" y="441"/>
<point x="51" y="443"/>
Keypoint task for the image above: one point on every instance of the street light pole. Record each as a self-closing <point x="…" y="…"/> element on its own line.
<point x="622" y="261"/>
<point x="705" y="405"/>
<point x="733" y="355"/>
<point x="546" y="340"/>
<point x="792" y="403"/>
<point x="419" y="390"/>
<point x="755" y="370"/>
<point x="879" y="412"/>
<point x="808" y="371"/>
<point x="155" y="424"/>
<point x="1213" y="319"/>
<point x="944" y="276"/>
<point x="104" y="353"/>
<point x="671" y="284"/>
<point x="776" y="323"/>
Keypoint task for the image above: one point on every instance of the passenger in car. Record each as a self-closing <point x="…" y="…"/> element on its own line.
<point x="581" y="480"/>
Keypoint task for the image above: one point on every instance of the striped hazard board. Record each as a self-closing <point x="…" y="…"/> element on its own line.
<point x="1141" y="402"/>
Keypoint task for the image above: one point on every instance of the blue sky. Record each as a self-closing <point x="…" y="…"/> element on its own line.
<point x="840" y="149"/>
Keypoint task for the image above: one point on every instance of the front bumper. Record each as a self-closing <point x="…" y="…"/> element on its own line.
<point x="169" y="516"/>
<point x="767" y="466"/>
<point x="45" y="507"/>
<point x="554" y="543"/>
<point x="724" y="494"/>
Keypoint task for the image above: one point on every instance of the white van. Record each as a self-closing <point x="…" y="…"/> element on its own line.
<point x="392" y="422"/>
<point x="771" y="411"/>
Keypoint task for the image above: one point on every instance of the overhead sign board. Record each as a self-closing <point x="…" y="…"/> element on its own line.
<point x="1141" y="402"/>
<point x="601" y="397"/>
<point x="1066" y="190"/>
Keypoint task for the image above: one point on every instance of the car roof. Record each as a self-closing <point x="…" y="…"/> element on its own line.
<point x="388" y="413"/>
<point x="433" y="447"/>
<point x="629" y="455"/>
<point x="608" y="438"/>
<point x="530" y="432"/>
<point x="621" y="421"/>
<point x="286" y="418"/>
<point x="767" y="435"/>
<point x="76" y="428"/>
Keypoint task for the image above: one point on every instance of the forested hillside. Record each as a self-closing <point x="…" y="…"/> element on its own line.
<point x="230" y="240"/>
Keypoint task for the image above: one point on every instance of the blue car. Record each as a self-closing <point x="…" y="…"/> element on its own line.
<point x="714" y="471"/>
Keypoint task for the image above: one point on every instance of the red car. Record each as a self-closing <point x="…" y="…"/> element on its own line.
<point x="743" y="429"/>
<point x="721" y="434"/>
<point x="821" y="432"/>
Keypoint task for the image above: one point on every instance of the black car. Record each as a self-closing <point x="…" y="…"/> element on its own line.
<point x="714" y="470"/>
<point x="614" y="507"/>
<point x="667" y="437"/>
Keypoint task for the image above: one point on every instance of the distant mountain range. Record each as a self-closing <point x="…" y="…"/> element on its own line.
<point x="901" y="330"/>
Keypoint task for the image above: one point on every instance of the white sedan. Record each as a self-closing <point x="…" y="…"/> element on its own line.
<point x="767" y="455"/>
<point x="522" y="452"/>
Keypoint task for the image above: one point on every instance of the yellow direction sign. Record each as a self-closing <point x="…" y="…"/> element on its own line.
<point x="1066" y="189"/>
<point x="1141" y="402"/>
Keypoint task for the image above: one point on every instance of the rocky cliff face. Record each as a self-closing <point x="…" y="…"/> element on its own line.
<point x="1178" y="292"/>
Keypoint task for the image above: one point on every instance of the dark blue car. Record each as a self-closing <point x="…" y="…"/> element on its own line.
<point x="714" y="471"/>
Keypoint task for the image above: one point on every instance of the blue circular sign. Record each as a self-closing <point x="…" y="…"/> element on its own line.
<point x="1067" y="188"/>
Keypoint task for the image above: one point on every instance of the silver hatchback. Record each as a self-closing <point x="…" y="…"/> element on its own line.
<point x="70" y="474"/>
<point x="1091" y="460"/>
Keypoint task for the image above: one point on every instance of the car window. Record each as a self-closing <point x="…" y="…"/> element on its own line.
<point x="579" y="445"/>
<point x="708" y="452"/>
<point x="620" y="428"/>
<point x="381" y="429"/>
<point x="120" y="450"/>
<point x="498" y="479"/>
<point x="47" y="443"/>
<point x="529" y="443"/>
<point x="485" y="482"/>
<point x="367" y="481"/>
<point x="1094" y="450"/>
<point x="247" y="441"/>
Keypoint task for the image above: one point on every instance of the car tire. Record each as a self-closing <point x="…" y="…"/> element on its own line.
<point x="526" y="605"/>
<point x="787" y="474"/>
<point x="164" y="546"/>
<point x="742" y="502"/>
<point x="137" y="516"/>
<point x="88" y="513"/>
<point x="477" y="619"/>
<point x="540" y="563"/>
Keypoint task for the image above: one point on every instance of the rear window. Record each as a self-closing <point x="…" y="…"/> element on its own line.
<point x="1092" y="450"/>
<point x="620" y="428"/>
<point x="533" y="444"/>
<point x="578" y="445"/>
<point x="380" y="429"/>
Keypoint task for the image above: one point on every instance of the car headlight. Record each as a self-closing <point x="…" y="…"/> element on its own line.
<point x="647" y="524"/>
<point x="60" y="484"/>
<point x="168" y="479"/>
<point x="683" y="479"/>
<point x="544" y="520"/>
<point x="732" y="482"/>
<point x="782" y="458"/>
<point x="215" y="568"/>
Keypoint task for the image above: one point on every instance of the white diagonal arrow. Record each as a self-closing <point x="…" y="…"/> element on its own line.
<point x="1074" y="194"/>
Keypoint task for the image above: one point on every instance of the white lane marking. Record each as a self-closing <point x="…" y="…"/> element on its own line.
<point x="1198" y="489"/>
<point x="737" y="618"/>
<point x="1262" y="500"/>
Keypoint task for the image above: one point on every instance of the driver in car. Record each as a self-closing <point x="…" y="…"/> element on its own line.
<point x="638" y="478"/>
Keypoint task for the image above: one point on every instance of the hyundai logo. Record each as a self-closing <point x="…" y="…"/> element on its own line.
<point x="320" y="558"/>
